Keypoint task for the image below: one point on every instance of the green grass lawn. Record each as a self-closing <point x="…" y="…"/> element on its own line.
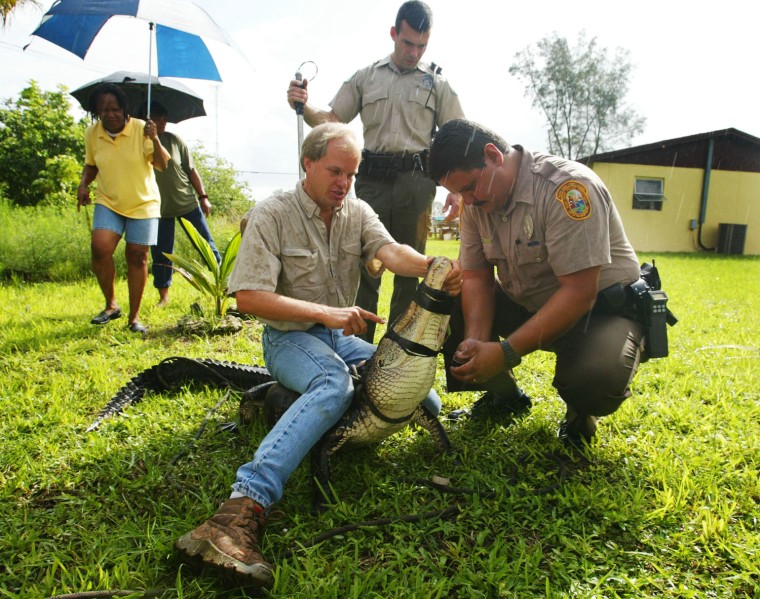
<point x="666" y="504"/>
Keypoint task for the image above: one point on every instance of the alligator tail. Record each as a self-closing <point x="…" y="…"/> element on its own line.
<point x="178" y="371"/>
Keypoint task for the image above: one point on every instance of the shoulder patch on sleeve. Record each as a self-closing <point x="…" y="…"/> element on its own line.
<point x="574" y="198"/>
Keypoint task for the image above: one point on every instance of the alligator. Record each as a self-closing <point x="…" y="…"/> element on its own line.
<point x="389" y="387"/>
<point x="178" y="371"/>
<point x="395" y="380"/>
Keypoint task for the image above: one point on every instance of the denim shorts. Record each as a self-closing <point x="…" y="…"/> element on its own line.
<point x="140" y="231"/>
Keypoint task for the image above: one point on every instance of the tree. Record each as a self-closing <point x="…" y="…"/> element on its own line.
<point x="39" y="142"/>
<point x="227" y="193"/>
<point x="8" y="6"/>
<point x="581" y="93"/>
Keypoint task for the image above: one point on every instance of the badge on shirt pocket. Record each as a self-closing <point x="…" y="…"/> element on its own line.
<point x="531" y="252"/>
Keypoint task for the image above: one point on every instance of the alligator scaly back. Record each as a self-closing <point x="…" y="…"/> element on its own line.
<point x="178" y="371"/>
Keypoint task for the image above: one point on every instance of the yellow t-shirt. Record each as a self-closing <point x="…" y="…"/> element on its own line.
<point x="125" y="178"/>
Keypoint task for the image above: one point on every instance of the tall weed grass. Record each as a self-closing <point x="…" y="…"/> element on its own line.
<point x="48" y="243"/>
<point x="43" y="243"/>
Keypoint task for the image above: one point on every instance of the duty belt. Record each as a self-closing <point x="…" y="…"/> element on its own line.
<point x="378" y="165"/>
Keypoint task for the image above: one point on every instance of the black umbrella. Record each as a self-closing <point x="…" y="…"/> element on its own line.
<point x="180" y="101"/>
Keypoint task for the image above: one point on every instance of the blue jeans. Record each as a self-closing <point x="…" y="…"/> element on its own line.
<point x="162" y="266"/>
<point x="316" y="364"/>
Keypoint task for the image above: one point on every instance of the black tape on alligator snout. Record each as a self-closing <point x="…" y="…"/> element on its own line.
<point x="433" y="300"/>
<point x="410" y="347"/>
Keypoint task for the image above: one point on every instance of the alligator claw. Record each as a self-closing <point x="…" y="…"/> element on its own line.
<point x="228" y="427"/>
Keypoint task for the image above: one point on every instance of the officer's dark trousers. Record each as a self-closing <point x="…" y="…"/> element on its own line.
<point x="404" y="206"/>
<point x="596" y="359"/>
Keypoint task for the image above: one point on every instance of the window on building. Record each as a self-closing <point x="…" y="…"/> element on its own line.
<point x="648" y="194"/>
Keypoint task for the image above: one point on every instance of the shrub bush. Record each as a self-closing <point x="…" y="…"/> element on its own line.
<point x="228" y="193"/>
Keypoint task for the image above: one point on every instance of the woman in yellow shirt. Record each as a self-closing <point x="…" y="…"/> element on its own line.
<point x="120" y="154"/>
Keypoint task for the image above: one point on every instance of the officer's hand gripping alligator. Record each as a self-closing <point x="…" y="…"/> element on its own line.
<point x="389" y="389"/>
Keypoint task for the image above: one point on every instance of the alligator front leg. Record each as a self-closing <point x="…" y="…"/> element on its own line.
<point x="427" y="420"/>
<point x="330" y="442"/>
<point x="321" y="493"/>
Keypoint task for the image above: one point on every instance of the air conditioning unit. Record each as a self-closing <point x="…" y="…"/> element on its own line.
<point x="731" y="238"/>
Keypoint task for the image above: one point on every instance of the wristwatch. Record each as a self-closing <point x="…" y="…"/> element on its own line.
<point x="511" y="359"/>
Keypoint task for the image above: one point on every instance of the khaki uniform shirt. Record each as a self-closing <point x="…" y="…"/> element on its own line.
<point x="399" y="110"/>
<point x="560" y="220"/>
<point x="177" y="193"/>
<point x="285" y="249"/>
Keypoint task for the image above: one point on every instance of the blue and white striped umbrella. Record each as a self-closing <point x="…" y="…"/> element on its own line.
<point x="180" y="28"/>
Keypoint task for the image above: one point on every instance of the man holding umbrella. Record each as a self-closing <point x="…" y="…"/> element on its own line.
<point x="182" y="196"/>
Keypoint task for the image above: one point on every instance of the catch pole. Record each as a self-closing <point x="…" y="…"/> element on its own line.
<point x="299" y="113"/>
<point x="299" y="118"/>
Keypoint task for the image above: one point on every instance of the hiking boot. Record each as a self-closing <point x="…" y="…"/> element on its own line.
<point x="496" y="407"/>
<point x="577" y="430"/>
<point x="228" y="542"/>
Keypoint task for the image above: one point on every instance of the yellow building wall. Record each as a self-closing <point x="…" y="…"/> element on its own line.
<point x="734" y="198"/>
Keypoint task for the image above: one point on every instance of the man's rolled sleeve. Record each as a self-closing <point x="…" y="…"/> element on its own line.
<point x="257" y="266"/>
<point x="374" y="236"/>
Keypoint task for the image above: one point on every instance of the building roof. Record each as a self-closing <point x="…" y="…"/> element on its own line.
<point x="733" y="150"/>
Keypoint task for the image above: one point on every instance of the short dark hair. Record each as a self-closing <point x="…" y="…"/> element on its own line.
<point x="417" y="15"/>
<point x="101" y="90"/>
<point x="156" y="109"/>
<point x="459" y="146"/>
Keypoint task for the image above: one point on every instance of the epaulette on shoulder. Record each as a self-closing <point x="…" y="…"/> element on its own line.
<point x="434" y="69"/>
<point x="550" y="171"/>
<point x="558" y="170"/>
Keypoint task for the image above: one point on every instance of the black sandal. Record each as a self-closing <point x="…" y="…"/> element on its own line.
<point x="137" y="327"/>
<point x="106" y="316"/>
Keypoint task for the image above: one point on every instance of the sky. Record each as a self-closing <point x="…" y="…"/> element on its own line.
<point x="694" y="68"/>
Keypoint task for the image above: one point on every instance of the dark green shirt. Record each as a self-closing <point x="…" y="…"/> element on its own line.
<point x="178" y="197"/>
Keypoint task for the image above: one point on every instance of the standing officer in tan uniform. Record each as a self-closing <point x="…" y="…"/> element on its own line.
<point x="549" y="227"/>
<point x="401" y="101"/>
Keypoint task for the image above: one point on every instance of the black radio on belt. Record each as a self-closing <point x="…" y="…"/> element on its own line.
<point x="652" y="311"/>
<point x="646" y="303"/>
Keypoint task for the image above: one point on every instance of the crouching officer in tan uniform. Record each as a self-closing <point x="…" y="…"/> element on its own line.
<point x="549" y="228"/>
<point x="401" y="101"/>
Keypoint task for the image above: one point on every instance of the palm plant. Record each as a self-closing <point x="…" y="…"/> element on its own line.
<point x="210" y="278"/>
